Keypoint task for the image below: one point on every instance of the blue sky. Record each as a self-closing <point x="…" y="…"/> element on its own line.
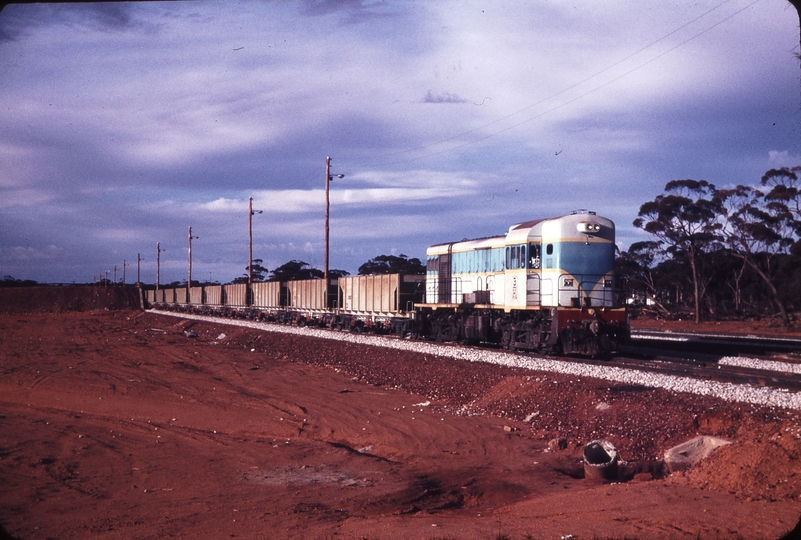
<point x="124" y="123"/>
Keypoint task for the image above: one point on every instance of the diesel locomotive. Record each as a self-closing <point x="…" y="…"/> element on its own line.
<point x="546" y="285"/>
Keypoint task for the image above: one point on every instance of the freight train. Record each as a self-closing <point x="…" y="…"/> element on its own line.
<point x="546" y="286"/>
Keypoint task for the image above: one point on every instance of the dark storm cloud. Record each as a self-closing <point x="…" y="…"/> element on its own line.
<point x="20" y="20"/>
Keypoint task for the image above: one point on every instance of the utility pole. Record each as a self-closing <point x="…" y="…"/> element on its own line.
<point x="797" y="5"/>
<point x="158" y="263"/>
<point x="138" y="268"/>
<point x="328" y="179"/>
<point x="189" y="271"/>
<point x="124" y="264"/>
<point x="251" y="211"/>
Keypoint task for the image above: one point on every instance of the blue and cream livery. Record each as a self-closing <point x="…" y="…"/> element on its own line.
<point x="547" y="284"/>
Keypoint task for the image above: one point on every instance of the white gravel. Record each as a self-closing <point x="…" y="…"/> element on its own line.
<point x="756" y="363"/>
<point x="769" y="397"/>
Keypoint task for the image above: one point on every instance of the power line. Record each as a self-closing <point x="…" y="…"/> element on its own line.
<point x="567" y="89"/>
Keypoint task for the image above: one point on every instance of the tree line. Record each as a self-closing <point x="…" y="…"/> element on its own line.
<point x="718" y="253"/>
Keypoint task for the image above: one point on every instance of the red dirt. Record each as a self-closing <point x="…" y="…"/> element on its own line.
<point x="115" y="424"/>
<point x="64" y="298"/>
<point x="760" y="327"/>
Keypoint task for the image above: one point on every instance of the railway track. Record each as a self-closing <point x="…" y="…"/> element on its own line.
<point x="703" y="356"/>
<point x="767" y="361"/>
<point x="716" y="343"/>
<point x="712" y="371"/>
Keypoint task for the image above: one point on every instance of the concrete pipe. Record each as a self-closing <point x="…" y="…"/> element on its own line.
<point x="600" y="461"/>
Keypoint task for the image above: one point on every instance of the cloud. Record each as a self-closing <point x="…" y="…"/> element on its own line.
<point x="118" y="234"/>
<point x="442" y="98"/>
<point x="16" y="23"/>
<point x="15" y="198"/>
<point x="125" y="123"/>
<point x="296" y="201"/>
<point x="783" y="158"/>
<point x="224" y="205"/>
<point x="17" y="254"/>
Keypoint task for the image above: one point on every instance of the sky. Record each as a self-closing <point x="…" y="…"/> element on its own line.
<point x="123" y="124"/>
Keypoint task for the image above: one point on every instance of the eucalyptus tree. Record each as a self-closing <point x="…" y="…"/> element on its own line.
<point x="758" y="230"/>
<point x="785" y="188"/>
<point x="636" y="266"/>
<point x="295" y="269"/>
<point x="685" y="220"/>
<point x="391" y="264"/>
<point x="258" y="273"/>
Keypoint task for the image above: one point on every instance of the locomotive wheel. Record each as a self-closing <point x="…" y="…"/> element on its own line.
<point x="506" y="336"/>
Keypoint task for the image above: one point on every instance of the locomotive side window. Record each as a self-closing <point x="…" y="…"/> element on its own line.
<point x="515" y="257"/>
<point x="549" y="249"/>
<point x="534" y="256"/>
<point x="432" y="265"/>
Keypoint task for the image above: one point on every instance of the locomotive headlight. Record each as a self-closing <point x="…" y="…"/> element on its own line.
<point x="588" y="227"/>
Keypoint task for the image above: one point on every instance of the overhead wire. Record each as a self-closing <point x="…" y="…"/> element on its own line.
<point x="567" y="89"/>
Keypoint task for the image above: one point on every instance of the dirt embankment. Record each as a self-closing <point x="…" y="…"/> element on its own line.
<point x="61" y="299"/>
<point x="123" y="424"/>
